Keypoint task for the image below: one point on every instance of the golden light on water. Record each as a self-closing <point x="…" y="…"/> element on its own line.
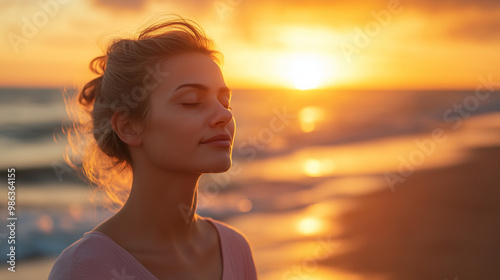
<point x="309" y="225"/>
<point x="312" y="167"/>
<point x="315" y="168"/>
<point x="45" y="223"/>
<point x="245" y="205"/>
<point x="75" y="210"/>
<point x="309" y="116"/>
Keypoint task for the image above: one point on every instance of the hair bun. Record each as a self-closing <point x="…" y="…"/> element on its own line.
<point x="98" y="64"/>
<point x="91" y="90"/>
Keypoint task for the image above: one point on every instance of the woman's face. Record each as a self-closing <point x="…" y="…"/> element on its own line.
<point x="188" y="107"/>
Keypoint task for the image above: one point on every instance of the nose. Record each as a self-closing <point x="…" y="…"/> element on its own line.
<point x="221" y="116"/>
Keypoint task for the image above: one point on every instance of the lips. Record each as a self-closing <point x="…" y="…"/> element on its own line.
<point x="220" y="137"/>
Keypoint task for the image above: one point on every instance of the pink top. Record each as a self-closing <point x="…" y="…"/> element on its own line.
<point x="96" y="256"/>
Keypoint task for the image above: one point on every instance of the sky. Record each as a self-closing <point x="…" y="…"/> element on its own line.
<point x="390" y="44"/>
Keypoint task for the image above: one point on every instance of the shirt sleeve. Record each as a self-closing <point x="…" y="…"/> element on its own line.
<point x="237" y="252"/>
<point x="71" y="264"/>
<point x="93" y="260"/>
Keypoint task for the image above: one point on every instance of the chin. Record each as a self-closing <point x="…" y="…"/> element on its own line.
<point x="218" y="167"/>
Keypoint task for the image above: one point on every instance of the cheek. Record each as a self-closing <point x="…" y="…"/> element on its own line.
<point x="170" y="137"/>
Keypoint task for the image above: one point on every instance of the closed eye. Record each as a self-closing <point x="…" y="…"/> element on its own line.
<point x="190" y="104"/>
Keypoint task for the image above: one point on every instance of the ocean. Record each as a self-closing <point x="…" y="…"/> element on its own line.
<point x="289" y="143"/>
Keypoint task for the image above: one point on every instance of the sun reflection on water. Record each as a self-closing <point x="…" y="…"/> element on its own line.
<point x="309" y="225"/>
<point x="309" y="117"/>
<point x="315" y="167"/>
<point x="245" y="205"/>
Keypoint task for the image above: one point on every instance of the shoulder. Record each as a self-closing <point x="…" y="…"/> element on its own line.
<point x="229" y="233"/>
<point x="91" y="257"/>
<point x="236" y="250"/>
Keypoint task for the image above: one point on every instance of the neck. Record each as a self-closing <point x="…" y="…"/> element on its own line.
<point x="163" y="204"/>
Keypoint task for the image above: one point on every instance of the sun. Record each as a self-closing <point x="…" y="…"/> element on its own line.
<point x="307" y="71"/>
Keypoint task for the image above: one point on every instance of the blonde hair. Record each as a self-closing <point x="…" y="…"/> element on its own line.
<point x="94" y="149"/>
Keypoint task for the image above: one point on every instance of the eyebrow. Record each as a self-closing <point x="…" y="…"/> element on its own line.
<point x="204" y="88"/>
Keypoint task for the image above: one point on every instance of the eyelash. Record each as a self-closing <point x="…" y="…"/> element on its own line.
<point x="196" y="104"/>
<point x="190" y="104"/>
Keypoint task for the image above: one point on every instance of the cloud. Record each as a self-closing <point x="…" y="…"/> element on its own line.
<point x="253" y="21"/>
<point x="472" y="20"/>
<point x="122" y="4"/>
<point x="451" y="5"/>
<point x="480" y="29"/>
<point x="197" y="6"/>
<point x="303" y="6"/>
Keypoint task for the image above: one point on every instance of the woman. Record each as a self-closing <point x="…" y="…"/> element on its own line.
<point x="160" y="117"/>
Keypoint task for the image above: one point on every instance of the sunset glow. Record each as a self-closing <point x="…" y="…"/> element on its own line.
<point x="365" y="138"/>
<point x="306" y="46"/>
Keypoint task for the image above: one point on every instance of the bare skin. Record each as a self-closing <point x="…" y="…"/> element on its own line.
<point x="188" y="107"/>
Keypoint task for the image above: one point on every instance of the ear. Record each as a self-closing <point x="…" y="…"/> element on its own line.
<point x="128" y="131"/>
